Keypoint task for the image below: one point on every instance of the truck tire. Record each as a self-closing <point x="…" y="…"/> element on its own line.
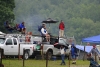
<point x="26" y="55"/>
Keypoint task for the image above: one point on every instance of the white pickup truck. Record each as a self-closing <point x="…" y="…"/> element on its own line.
<point x="10" y="45"/>
<point x="49" y="47"/>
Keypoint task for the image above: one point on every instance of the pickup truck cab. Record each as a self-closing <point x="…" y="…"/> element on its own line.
<point x="12" y="46"/>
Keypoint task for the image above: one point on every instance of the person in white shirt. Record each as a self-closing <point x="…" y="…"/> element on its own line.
<point x="62" y="51"/>
<point x="45" y="33"/>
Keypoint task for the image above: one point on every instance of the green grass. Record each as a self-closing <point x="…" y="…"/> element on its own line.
<point x="42" y="63"/>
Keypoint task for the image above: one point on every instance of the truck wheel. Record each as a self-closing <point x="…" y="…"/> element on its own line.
<point x="49" y="55"/>
<point x="26" y="55"/>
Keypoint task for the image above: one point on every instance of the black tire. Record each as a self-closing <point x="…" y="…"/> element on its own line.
<point x="32" y="56"/>
<point x="26" y="55"/>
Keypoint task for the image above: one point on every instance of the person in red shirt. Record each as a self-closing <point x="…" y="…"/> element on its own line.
<point x="61" y="29"/>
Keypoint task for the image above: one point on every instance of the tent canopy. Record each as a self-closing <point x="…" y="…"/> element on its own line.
<point x="93" y="39"/>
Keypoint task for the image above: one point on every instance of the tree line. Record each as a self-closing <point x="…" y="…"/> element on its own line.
<point x="81" y="17"/>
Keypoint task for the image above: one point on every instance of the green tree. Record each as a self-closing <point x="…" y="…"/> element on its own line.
<point x="6" y="12"/>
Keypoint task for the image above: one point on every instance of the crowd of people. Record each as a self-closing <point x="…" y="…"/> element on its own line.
<point x="43" y="31"/>
<point x="18" y="27"/>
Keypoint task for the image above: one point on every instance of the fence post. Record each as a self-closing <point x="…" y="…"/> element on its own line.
<point x="42" y="49"/>
<point x="1" y="55"/>
<point x="69" y="58"/>
<point x="23" y="57"/>
<point x="47" y="59"/>
<point x="84" y="54"/>
<point x="95" y="58"/>
<point x="18" y="51"/>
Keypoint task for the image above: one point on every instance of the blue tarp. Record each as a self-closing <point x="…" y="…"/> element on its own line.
<point x="93" y="39"/>
<point x="87" y="48"/>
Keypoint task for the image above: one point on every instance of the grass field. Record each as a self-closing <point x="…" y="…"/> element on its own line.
<point x="42" y="63"/>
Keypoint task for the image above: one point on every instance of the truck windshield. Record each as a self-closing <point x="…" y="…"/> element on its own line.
<point x="2" y="40"/>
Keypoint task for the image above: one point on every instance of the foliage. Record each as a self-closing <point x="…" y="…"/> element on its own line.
<point x="6" y="12"/>
<point x="81" y="17"/>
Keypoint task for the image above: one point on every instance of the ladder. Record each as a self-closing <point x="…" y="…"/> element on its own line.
<point x="21" y="38"/>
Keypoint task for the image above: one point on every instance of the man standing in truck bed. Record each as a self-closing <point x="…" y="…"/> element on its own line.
<point x="61" y="29"/>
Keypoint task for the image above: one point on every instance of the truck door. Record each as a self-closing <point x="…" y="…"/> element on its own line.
<point x="8" y="47"/>
<point x="61" y="40"/>
<point x="56" y="51"/>
<point x="15" y="47"/>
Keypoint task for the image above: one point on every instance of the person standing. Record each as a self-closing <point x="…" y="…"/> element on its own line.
<point x="61" y="29"/>
<point x="62" y="51"/>
<point x="73" y="54"/>
<point x="95" y="53"/>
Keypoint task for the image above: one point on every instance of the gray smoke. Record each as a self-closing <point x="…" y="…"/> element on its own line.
<point x="24" y="11"/>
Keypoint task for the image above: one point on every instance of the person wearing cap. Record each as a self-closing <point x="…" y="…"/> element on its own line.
<point x="94" y="53"/>
<point x="45" y="33"/>
<point x="40" y="27"/>
<point x="63" y="52"/>
<point x="61" y="29"/>
<point x="73" y="54"/>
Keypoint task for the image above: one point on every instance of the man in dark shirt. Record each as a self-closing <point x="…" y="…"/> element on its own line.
<point x="95" y="53"/>
<point x="8" y="26"/>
